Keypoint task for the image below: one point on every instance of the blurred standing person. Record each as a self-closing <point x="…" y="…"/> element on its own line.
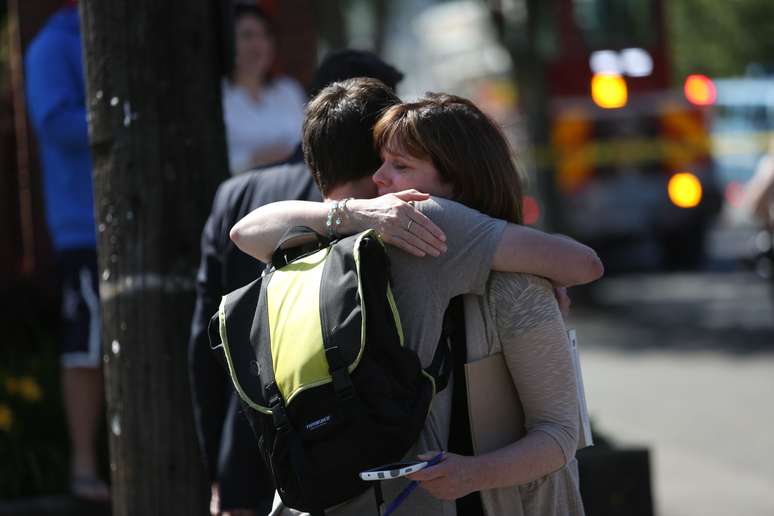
<point x="758" y="201"/>
<point x="55" y="97"/>
<point x="262" y="112"/>
<point x="758" y="197"/>
<point x="240" y="483"/>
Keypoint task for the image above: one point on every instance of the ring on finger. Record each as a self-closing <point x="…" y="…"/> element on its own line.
<point x="408" y="226"/>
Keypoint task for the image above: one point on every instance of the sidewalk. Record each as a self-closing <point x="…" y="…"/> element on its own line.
<point x="707" y="418"/>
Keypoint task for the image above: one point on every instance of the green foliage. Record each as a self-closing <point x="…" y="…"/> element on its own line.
<point x="33" y="436"/>
<point x="720" y="39"/>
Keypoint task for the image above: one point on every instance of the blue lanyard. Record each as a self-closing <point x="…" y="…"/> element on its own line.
<point x="410" y="488"/>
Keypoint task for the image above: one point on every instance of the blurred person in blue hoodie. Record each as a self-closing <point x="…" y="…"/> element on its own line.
<point x="55" y="100"/>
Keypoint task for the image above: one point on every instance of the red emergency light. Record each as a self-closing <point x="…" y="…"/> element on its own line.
<point x="531" y="210"/>
<point x="700" y="90"/>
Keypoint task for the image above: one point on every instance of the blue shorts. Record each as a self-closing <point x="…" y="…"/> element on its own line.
<point x="80" y="308"/>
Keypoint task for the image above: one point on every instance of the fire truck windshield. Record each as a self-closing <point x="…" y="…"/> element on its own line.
<point x="616" y="23"/>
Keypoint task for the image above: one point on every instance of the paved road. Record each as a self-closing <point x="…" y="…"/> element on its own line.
<point x="685" y="365"/>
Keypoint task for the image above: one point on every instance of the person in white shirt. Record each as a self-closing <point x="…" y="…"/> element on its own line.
<point x="262" y="112"/>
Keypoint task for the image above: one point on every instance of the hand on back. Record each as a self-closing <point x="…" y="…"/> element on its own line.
<point x="399" y="223"/>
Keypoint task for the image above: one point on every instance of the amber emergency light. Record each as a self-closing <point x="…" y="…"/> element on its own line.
<point x="608" y="90"/>
<point x="684" y="190"/>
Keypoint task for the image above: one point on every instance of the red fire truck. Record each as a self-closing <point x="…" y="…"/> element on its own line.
<point x="630" y="155"/>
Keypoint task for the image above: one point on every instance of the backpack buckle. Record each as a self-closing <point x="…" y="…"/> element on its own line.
<point x="280" y="419"/>
<point x="342" y="384"/>
<point x="278" y="414"/>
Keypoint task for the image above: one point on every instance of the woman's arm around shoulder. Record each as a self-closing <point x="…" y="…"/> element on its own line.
<point x="561" y="259"/>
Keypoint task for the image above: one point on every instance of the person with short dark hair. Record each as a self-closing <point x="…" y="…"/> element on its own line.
<point x="338" y="66"/>
<point x="239" y="478"/>
<point x="328" y="121"/>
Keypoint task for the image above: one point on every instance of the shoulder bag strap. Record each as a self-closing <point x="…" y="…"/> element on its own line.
<point x="295" y="243"/>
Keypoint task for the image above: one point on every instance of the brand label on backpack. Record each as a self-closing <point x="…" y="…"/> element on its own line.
<point x="314" y="425"/>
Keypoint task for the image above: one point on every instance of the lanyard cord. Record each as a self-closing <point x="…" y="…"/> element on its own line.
<point x="406" y="490"/>
<point x="401" y="497"/>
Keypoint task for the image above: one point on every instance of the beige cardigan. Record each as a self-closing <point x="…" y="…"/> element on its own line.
<point x="520" y="317"/>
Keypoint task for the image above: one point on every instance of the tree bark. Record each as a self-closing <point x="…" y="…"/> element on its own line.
<point x="532" y="78"/>
<point x="331" y="23"/>
<point x="524" y="45"/>
<point x="33" y="254"/>
<point x="157" y="139"/>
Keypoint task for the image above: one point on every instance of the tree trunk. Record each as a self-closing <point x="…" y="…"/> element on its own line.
<point x="524" y="45"/>
<point x="32" y="257"/>
<point x="532" y="78"/>
<point x="381" y="16"/>
<point x="157" y="139"/>
<point x="331" y="23"/>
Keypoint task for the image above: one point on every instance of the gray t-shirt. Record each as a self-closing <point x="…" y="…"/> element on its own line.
<point x="423" y="288"/>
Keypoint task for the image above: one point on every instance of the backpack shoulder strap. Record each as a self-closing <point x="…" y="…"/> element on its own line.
<point x="460" y="438"/>
<point x="296" y="242"/>
<point x="452" y="337"/>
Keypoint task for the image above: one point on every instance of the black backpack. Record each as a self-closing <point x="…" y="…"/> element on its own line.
<point x="315" y="350"/>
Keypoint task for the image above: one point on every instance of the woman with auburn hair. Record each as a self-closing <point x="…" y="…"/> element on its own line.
<point x="432" y="145"/>
<point x="443" y="145"/>
<point x="467" y="150"/>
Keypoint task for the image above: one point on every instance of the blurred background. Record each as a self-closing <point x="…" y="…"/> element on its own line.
<point x="643" y="129"/>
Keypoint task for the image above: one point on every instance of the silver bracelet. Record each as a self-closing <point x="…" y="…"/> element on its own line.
<point x="336" y="215"/>
<point x="330" y="229"/>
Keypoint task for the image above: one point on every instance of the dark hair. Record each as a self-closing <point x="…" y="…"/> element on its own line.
<point x="350" y="64"/>
<point x="241" y="10"/>
<point x="465" y="146"/>
<point x="337" y="141"/>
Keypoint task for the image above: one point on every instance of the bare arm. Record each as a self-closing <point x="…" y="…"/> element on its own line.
<point x="392" y="215"/>
<point x="259" y="232"/>
<point x="562" y="260"/>
<point x="528" y="459"/>
<point x="759" y="192"/>
<point x="515" y="464"/>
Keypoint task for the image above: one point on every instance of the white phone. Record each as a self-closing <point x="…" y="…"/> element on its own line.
<point x="394" y="470"/>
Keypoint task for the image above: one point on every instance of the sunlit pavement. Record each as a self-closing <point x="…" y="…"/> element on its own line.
<point x="684" y="364"/>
